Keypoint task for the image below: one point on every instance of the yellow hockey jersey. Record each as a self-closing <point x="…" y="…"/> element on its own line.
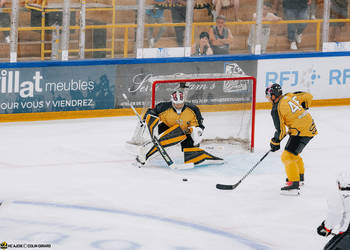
<point x="189" y="116"/>
<point x="291" y="112"/>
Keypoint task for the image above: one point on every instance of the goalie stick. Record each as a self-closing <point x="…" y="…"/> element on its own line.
<point x="156" y="142"/>
<point x="230" y="187"/>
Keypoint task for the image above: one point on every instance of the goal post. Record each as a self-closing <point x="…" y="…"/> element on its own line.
<point x="226" y="101"/>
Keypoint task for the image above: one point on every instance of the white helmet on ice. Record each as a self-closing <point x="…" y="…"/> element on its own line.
<point x="343" y="181"/>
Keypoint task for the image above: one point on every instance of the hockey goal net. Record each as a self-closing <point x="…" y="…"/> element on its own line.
<point x="226" y="101"/>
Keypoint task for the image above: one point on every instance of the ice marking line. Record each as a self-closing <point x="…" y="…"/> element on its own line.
<point x="247" y="242"/>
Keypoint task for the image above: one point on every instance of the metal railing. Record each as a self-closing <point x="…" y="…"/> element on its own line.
<point x="126" y="27"/>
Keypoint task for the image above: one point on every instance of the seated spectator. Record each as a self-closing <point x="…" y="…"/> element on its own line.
<point x="339" y="10"/>
<point x="5" y="21"/>
<point x="295" y="10"/>
<point x="265" y="33"/>
<point x="203" y="47"/>
<point x="155" y="15"/>
<point x="219" y="4"/>
<point x="220" y="37"/>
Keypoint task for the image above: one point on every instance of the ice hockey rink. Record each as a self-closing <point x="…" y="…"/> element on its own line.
<point x="71" y="184"/>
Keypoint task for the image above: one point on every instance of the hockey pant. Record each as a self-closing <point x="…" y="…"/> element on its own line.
<point x="339" y="242"/>
<point x="293" y="163"/>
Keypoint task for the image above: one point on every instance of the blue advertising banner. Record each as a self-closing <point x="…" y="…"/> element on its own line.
<point x="50" y="89"/>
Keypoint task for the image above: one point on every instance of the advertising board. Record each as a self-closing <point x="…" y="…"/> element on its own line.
<point x="49" y="89"/>
<point x="323" y="77"/>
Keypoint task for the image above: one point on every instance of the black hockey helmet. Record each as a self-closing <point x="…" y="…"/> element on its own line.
<point x="274" y="89"/>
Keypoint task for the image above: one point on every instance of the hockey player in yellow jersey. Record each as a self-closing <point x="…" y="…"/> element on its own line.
<point x="177" y="121"/>
<point x="179" y="112"/>
<point x="291" y="111"/>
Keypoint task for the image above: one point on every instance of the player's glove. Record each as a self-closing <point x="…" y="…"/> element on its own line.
<point x="197" y="135"/>
<point x="303" y="104"/>
<point x="275" y="145"/>
<point x="322" y="230"/>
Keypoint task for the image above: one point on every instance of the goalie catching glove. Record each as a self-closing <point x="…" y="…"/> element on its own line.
<point x="197" y="135"/>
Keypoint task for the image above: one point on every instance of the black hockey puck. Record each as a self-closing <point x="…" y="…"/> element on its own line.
<point x="184" y="179"/>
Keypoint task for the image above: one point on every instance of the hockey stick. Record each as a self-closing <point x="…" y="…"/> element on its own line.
<point x="230" y="187"/>
<point x="156" y="142"/>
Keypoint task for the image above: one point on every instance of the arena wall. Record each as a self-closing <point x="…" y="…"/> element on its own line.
<point x="93" y="88"/>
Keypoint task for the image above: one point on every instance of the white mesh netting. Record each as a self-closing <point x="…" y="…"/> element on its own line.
<point x="226" y="102"/>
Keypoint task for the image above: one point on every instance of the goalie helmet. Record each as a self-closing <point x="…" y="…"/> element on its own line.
<point x="343" y="181"/>
<point x="177" y="97"/>
<point x="274" y="89"/>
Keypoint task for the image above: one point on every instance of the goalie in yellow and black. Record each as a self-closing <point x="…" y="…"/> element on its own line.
<point x="175" y="122"/>
<point x="291" y="110"/>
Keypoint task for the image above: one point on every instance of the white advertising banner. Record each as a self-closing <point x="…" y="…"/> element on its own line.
<point x="323" y="77"/>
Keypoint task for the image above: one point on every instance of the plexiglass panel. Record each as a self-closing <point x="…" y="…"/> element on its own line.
<point x="108" y="28"/>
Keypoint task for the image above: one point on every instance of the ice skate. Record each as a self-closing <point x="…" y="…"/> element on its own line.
<point x="301" y="182"/>
<point x="291" y="188"/>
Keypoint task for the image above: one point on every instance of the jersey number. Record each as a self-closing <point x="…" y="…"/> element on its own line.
<point x="294" y="104"/>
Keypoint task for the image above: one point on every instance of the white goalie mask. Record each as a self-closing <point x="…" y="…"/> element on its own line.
<point x="177" y="97"/>
<point x="178" y="100"/>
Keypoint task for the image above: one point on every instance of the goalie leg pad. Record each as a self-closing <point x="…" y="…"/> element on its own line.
<point x="198" y="155"/>
<point x="170" y="137"/>
<point x="152" y="123"/>
<point x="138" y="136"/>
<point x="143" y="151"/>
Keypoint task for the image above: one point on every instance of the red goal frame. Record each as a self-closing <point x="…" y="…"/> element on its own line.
<point x="215" y="79"/>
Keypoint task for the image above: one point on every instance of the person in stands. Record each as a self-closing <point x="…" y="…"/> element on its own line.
<point x="203" y="47"/>
<point x="220" y="37"/>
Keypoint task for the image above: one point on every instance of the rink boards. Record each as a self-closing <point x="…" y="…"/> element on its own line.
<point x="83" y="89"/>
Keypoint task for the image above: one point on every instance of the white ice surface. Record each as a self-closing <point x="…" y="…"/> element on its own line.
<point x="70" y="183"/>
